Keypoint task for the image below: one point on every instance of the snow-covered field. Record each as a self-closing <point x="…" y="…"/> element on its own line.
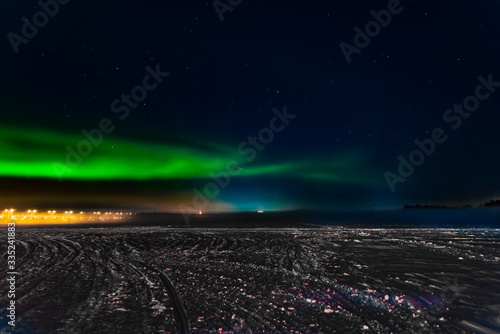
<point x="288" y="280"/>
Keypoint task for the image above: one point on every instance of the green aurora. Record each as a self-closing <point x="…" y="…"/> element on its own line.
<point x="42" y="154"/>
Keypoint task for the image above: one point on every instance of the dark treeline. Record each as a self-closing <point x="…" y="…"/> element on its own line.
<point x="489" y="204"/>
<point x="427" y="206"/>
<point x="492" y="203"/>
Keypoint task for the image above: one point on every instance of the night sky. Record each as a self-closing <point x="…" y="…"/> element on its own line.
<point x="267" y="96"/>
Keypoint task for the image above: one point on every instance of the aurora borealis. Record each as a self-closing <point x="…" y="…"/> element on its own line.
<point x="121" y="161"/>
<point x="226" y="79"/>
<point x="30" y="154"/>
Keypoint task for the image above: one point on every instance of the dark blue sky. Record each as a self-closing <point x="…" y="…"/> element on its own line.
<point x="225" y="77"/>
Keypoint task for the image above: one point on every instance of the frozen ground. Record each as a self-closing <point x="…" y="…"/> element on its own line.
<point x="275" y="280"/>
